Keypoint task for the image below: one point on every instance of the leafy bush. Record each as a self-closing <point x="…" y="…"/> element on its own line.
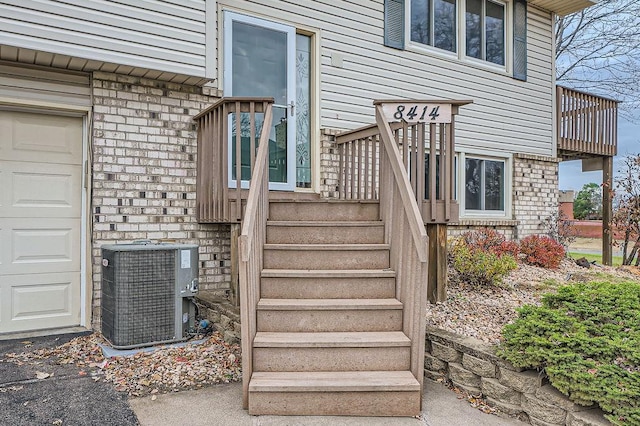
<point x="490" y="240"/>
<point x="480" y="267"/>
<point x="542" y="251"/>
<point x="587" y="339"/>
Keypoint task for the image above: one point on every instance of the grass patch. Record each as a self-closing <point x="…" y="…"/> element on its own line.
<point x="617" y="260"/>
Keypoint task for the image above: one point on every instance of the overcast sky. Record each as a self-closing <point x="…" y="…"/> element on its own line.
<point x="571" y="175"/>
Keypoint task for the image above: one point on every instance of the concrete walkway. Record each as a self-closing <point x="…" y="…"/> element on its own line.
<point x="222" y="405"/>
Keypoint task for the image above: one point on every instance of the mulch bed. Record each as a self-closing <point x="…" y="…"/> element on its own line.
<point x="164" y="370"/>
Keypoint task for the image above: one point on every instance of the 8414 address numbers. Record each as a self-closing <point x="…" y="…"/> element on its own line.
<point x="417" y="112"/>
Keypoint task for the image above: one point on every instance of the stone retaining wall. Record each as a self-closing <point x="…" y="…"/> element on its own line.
<point x="224" y="317"/>
<point x="473" y="366"/>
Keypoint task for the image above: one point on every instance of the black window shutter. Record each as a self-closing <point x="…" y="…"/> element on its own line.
<point x="394" y="23"/>
<point x="520" y="40"/>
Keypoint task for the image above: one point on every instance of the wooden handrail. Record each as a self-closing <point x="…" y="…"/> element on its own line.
<point x="250" y="246"/>
<point x="410" y="169"/>
<point x="407" y="239"/>
<point x="409" y="203"/>
<point x="259" y="176"/>
<point x="363" y="132"/>
<point x="232" y="100"/>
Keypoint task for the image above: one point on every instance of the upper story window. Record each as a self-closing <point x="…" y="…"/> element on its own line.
<point x="434" y="23"/>
<point x="490" y="31"/>
<point x="485" y="30"/>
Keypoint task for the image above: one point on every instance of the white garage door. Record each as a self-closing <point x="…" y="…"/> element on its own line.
<point x="40" y="220"/>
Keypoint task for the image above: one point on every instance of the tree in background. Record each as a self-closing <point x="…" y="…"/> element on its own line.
<point x="626" y="209"/>
<point x="588" y="202"/>
<point x="598" y="50"/>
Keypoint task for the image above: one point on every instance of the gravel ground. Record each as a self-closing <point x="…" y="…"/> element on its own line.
<point x="481" y="312"/>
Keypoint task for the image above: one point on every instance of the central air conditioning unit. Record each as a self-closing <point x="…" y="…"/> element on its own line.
<point x="147" y="292"/>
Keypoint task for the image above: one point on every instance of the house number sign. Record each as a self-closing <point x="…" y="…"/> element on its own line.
<point x="417" y="112"/>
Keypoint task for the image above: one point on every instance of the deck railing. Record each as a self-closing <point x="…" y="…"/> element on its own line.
<point x="214" y="201"/>
<point x="586" y="124"/>
<point x="251" y="241"/>
<point x="427" y="156"/>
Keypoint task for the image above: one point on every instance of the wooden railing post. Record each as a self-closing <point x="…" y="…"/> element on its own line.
<point x="437" y="275"/>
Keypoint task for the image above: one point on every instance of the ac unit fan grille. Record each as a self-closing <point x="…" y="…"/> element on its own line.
<point x="139" y="298"/>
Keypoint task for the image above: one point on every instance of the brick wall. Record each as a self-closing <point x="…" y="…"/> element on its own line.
<point x="505" y="227"/>
<point x="144" y="173"/>
<point x="535" y="192"/>
<point x="329" y="164"/>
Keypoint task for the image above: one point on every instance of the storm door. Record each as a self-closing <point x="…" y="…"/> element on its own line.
<point x="260" y="61"/>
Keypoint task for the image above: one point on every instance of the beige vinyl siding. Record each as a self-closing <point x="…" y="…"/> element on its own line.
<point x="160" y="35"/>
<point x="44" y="85"/>
<point x="507" y="115"/>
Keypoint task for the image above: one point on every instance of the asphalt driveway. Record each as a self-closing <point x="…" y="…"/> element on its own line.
<point x="65" y="397"/>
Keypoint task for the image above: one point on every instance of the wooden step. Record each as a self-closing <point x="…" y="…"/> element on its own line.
<point x="338" y="381"/>
<point x="331" y="340"/>
<point x="329" y="315"/>
<point x="357" y="393"/>
<point x="325" y="232"/>
<point x="324" y="210"/>
<point x="328" y="284"/>
<point x="367" y="351"/>
<point x="326" y="256"/>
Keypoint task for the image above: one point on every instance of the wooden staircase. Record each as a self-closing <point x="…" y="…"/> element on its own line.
<point x="329" y="337"/>
<point x="333" y="293"/>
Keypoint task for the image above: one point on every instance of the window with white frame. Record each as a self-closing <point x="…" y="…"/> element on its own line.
<point x="485" y="30"/>
<point x="476" y="28"/>
<point x="485" y="185"/>
<point x="434" y="23"/>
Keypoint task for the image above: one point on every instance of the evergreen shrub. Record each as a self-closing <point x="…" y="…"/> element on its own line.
<point x="586" y="338"/>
